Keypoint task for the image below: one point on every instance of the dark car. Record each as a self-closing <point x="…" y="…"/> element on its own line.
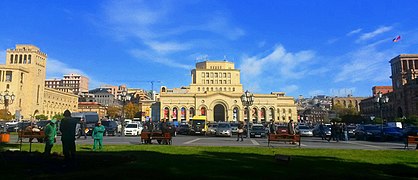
<point x="410" y="131"/>
<point x="183" y="129"/>
<point x="392" y="133"/>
<point x="316" y="131"/>
<point x="368" y="132"/>
<point x="258" y="130"/>
<point x="351" y="131"/>
<point x="110" y="127"/>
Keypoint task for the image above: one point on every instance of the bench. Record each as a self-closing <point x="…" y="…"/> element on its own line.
<point x="284" y="138"/>
<point x="411" y="140"/>
<point x="147" y="137"/>
<point x="40" y="136"/>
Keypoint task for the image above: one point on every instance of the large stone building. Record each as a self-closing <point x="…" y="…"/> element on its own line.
<point x="24" y="75"/>
<point x="405" y="86"/>
<point x="370" y="109"/>
<point x="215" y="92"/>
<point x="70" y="83"/>
<point x="348" y="102"/>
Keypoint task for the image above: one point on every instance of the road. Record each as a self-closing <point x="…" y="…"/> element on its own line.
<point x="306" y="142"/>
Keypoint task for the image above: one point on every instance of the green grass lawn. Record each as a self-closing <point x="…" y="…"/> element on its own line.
<point x="160" y="161"/>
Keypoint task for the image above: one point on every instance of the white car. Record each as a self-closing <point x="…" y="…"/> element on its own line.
<point x="133" y="129"/>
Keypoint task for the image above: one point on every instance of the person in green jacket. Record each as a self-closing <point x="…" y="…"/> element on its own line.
<point x="50" y="134"/>
<point x="98" y="136"/>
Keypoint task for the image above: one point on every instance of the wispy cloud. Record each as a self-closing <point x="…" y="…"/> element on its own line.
<point x="56" y="69"/>
<point x="354" y="32"/>
<point x="342" y="92"/>
<point x="290" y="88"/>
<point x="374" y="33"/>
<point x="365" y="64"/>
<point x="157" y="27"/>
<point x="316" y="92"/>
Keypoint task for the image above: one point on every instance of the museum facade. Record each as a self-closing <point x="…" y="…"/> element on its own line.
<point x="215" y="92"/>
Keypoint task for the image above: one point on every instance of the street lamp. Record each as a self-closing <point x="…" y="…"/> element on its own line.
<point x="380" y="102"/>
<point x="124" y="97"/>
<point x="247" y="100"/>
<point x="6" y="99"/>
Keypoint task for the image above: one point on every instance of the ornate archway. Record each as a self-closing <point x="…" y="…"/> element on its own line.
<point x="219" y="113"/>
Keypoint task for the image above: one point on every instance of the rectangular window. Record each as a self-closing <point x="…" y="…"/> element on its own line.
<point x="9" y="75"/>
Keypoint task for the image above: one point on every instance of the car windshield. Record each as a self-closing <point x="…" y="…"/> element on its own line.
<point x="224" y="126"/>
<point x="234" y="125"/>
<point x="258" y="128"/>
<point x="132" y="126"/>
<point x="92" y="118"/>
<point x="303" y="127"/>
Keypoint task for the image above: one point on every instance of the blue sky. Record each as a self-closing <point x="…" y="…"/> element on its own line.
<point x="299" y="47"/>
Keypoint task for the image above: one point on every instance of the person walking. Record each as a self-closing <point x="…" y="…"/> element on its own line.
<point x="240" y="131"/>
<point x="322" y="131"/>
<point x="291" y="129"/>
<point x="67" y="128"/>
<point x="98" y="136"/>
<point x="82" y="130"/>
<point x="50" y="134"/>
<point x="345" y="131"/>
<point x="272" y="127"/>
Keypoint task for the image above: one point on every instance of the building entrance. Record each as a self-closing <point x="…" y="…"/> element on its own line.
<point x="219" y="113"/>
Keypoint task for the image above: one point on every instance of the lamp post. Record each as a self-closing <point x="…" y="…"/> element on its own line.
<point x="380" y="102"/>
<point x="247" y="100"/>
<point x="124" y="97"/>
<point x="6" y="99"/>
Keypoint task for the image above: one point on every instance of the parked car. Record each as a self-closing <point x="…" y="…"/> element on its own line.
<point x="133" y="129"/>
<point x="91" y="119"/>
<point x="258" y="130"/>
<point x="368" y="132"/>
<point x="212" y="129"/>
<point x="223" y="129"/>
<point x="351" y="131"/>
<point x="281" y="129"/>
<point x="392" y="134"/>
<point x="304" y="130"/>
<point x="110" y="127"/>
<point x="316" y="131"/>
<point x="183" y="129"/>
<point x="234" y="128"/>
<point x="410" y="131"/>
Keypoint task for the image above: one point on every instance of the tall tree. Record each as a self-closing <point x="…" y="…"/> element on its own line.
<point x="130" y="110"/>
<point x="113" y="111"/>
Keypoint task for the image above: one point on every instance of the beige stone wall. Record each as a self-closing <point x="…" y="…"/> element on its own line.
<point x="56" y="102"/>
<point x="27" y="65"/>
<point x="207" y="93"/>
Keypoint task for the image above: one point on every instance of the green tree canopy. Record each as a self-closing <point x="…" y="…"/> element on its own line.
<point x="41" y="117"/>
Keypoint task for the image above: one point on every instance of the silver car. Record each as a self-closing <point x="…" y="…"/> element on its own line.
<point x="304" y="131"/>
<point x="224" y="129"/>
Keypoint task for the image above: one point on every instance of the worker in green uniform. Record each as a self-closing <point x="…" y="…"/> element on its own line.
<point x="50" y="134"/>
<point x="98" y="136"/>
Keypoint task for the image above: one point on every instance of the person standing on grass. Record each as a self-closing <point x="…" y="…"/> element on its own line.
<point x="98" y="136"/>
<point x="50" y="134"/>
<point x="291" y="129"/>
<point x="240" y="131"/>
<point x="82" y="129"/>
<point x="67" y="128"/>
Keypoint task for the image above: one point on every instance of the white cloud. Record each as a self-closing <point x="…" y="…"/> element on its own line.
<point x="316" y="92"/>
<point x="56" y="69"/>
<point x="374" y="33"/>
<point x="342" y="92"/>
<point x="365" y="64"/>
<point x="157" y="26"/>
<point x="354" y="32"/>
<point x="290" y="88"/>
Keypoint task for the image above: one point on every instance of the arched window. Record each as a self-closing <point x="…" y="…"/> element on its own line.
<point x="11" y="59"/>
<point x="20" y="59"/>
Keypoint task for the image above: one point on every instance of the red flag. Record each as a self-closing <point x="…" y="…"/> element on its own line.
<point x="396" y="39"/>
